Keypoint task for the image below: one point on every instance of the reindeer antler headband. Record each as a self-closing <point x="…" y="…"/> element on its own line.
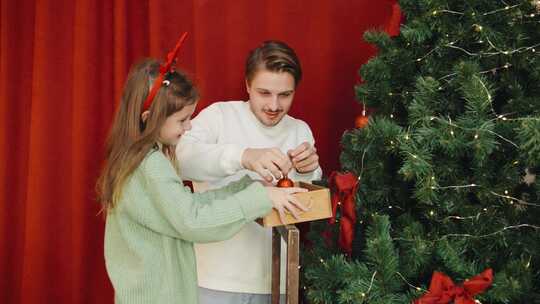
<point x="163" y="70"/>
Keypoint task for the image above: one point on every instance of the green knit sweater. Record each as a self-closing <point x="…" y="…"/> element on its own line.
<point x="149" y="235"/>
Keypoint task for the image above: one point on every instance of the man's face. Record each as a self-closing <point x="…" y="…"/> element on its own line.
<point x="270" y="95"/>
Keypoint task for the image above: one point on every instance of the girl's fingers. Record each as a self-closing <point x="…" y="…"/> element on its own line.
<point x="281" y="216"/>
<point x="297" y="203"/>
<point x="292" y="210"/>
<point x="292" y="190"/>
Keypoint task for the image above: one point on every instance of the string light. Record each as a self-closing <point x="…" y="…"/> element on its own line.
<point x="478" y="27"/>
<point x="489" y="234"/>
<point x="448" y="11"/>
<point x="457" y="186"/>
<point x="408" y="283"/>
<point x="483" y="130"/>
<point x="506" y="8"/>
<point x="514" y="199"/>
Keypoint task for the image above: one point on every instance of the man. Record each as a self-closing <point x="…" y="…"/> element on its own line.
<point x="231" y="139"/>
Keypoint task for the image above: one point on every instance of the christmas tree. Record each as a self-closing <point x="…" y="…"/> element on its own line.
<point x="447" y="162"/>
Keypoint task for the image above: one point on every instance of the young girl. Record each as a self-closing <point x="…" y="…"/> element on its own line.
<point x="152" y="219"/>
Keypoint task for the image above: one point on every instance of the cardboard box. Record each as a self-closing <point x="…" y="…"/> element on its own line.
<point x="317" y="197"/>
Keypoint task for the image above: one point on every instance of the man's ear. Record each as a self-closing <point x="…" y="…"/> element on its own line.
<point x="144" y="115"/>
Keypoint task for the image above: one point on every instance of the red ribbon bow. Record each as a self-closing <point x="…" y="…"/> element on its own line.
<point x="442" y="289"/>
<point x="343" y="187"/>
<point x="163" y="69"/>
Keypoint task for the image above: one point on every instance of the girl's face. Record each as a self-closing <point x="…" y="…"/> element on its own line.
<point x="270" y="95"/>
<point x="176" y="125"/>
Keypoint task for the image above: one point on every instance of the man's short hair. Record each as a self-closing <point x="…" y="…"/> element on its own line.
<point x="274" y="56"/>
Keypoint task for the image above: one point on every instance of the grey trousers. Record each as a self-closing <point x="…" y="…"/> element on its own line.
<point x="211" y="296"/>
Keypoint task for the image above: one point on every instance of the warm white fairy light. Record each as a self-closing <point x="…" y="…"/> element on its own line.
<point x="457" y="186"/>
<point x="428" y="53"/>
<point x="481" y="130"/>
<point x="408" y="283"/>
<point x="489" y="234"/>
<point x="475" y="136"/>
<point x="448" y="11"/>
<point x="513" y="199"/>
<point x="506" y="8"/>
<point x="462" y="218"/>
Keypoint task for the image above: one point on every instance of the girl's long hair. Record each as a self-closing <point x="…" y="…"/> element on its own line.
<point x="130" y="139"/>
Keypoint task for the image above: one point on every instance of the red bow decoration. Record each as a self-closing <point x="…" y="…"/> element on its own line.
<point x="442" y="289"/>
<point x="392" y="27"/>
<point x="343" y="187"/>
<point x="163" y="69"/>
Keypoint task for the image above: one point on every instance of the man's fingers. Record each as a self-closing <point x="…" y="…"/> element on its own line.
<point x="313" y="159"/>
<point x="299" y="149"/>
<point x="263" y="172"/>
<point x="304" y="155"/>
<point x="308" y="168"/>
<point x="274" y="170"/>
<point x="282" y="161"/>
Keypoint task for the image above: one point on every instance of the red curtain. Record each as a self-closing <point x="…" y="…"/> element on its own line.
<point x="62" y="67"/>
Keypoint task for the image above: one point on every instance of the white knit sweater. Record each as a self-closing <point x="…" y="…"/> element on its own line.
<point x="211" y="152"/>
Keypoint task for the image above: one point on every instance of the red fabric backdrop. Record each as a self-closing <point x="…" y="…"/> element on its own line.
<point x="62" y="67"/>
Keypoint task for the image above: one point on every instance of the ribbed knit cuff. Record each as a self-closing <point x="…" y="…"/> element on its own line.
<point x="254" y="201"/>
<point x="232" y="159"/>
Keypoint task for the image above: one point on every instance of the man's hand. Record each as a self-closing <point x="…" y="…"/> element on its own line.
<point x="269" y="163"/>
<point x="304" y="158"/>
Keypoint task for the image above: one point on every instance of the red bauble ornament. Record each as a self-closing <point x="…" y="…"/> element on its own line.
<point x="285" y="182"/>
<point x="361" y="121"/>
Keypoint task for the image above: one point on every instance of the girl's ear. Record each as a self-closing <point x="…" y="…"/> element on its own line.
<point x="144" y="115"/>
<point x="247" y="86"/>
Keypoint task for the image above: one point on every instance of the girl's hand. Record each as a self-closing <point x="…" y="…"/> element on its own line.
<point x="283" y="201"/>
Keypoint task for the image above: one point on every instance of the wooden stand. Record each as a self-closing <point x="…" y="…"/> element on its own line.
<point x="292" y="236"/>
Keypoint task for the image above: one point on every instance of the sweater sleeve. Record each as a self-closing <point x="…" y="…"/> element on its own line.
<point x="199" y="154"/>
<point x="177" y="212"/>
